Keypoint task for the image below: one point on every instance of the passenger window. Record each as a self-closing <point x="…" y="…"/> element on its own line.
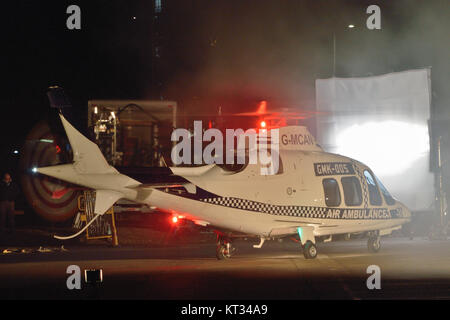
<point x="332" y="194"/>
<point x="352" y="191"/>
<point x="374" y="193"/>
<point x="387" y="196"/>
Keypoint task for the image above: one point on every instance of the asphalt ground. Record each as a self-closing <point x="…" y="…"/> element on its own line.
<point x="409" y="269"/>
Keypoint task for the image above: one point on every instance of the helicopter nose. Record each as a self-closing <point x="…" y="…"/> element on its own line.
<point x="406" y="213"/>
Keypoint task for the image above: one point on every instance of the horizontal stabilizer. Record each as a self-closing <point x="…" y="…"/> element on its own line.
<point x="105" y="199"/>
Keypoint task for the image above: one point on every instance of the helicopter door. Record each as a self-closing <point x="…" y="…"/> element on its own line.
<point x="374" y="193"/>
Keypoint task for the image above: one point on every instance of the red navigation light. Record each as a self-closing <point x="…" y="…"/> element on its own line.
<point x="58" y="149"/>
<point x="174" y="219"/>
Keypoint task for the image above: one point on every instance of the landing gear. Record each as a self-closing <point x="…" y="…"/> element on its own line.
<point x="373" y="244"/>
<point x="224" y="248"/>
<point x="309" y="250"/>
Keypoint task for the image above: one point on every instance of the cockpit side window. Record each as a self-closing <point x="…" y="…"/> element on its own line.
<point x="374" y="193"/>
<point x="332" y="193"/>
<point x="387" y="196"/>
<point x="352" y="191"/>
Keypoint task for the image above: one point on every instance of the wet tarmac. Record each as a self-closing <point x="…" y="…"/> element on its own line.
<point x="409" y="269"/>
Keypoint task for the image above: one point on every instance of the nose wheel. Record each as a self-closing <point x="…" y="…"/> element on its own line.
<point x="309" y="250"/>
<point x="373" y="244"/>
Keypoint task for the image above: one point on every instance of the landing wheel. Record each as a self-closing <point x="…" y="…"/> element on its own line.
<point x="373" y="244"/>
<point x="222" y="253"/>
<point x="224" y="249"/>
<point x="309" y="250"/>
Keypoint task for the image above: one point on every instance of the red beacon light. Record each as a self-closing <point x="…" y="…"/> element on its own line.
<point x="176" y="218"/>
<point x="263" y="127"/>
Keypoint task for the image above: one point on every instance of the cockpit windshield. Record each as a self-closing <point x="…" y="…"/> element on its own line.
<point x="387" y="196"/>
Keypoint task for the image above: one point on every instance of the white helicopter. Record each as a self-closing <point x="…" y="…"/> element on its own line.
<point x="313" y="194"/>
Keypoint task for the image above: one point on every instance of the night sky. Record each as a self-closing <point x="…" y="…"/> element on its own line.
<point x="232" y="53"/>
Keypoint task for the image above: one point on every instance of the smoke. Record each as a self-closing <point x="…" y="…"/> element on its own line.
<point x="241" y="51"/>
<point x="253" y="51"/>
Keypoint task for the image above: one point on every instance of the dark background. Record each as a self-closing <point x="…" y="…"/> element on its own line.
<point x="206" y="53"/>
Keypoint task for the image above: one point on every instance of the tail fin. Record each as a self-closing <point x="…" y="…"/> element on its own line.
<point x="87" y="156"/>
<point x="90" y="169"/>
